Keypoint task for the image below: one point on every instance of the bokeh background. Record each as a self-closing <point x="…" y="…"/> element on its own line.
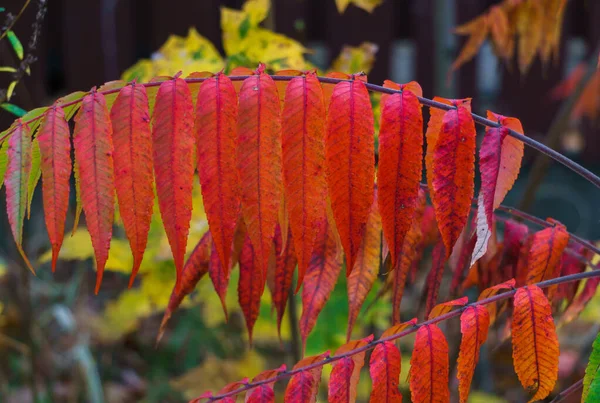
<point x="60" y="341"/>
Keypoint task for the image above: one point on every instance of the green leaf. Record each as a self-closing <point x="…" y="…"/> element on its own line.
<point x="591" y="381"/>
<point x="14" y="109"/>
<point x="34" y="174"/>
<point x="15" y="43"/>
<point x="10" y="90"/>
<point x="8" y="69"/>
<point x="34" y="114"/>
<point x="3" y="161"/>
<point x="71" y="109"/>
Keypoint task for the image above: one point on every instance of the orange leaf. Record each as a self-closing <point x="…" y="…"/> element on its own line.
<point x="346" y="372"/>
<point x="216" y="136"/>
<point x="196" y="266"/>
<point x="320" y="279"/>
<point x="384" y="368"/>
<point x="453" y="172"/>
<point x="534" y="340"/>
<point x="400" y="166"/>
<point x="551" y="27"/>
<point x="259" y="161"/>
<point x="445" y="307"/>
<point x="529" y="17"/>
<point x="92" y="139"/>
<point x="434" y="125"/>
<point x="133" y="167"/>
<point x="474" y="324"/>
<point x="546" y="249"/>
<point x="303" y="128"/>
<point x="173" y="148"/>
<point x="399" y="328"/>
<point x="350" y="161"/>
<point x="477" y="30"/>
<point x="250" y="286"/>
<point x="434" y="278"/>
<point x="304" y="385"/>
<point x="429" y="366"/>
<point x="366" y="268"/>
<point x="490" y="292"/>
<point x="55" y="149"/>
<point x="408" y="256"/>
<point x="500" y="32"/>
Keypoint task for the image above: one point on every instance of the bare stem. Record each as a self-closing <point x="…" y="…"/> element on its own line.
<point x="413" y="329"/>
<point x="565" y="393"/>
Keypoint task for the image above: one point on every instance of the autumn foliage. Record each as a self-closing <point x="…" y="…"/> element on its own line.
<point x="289" y="179"/>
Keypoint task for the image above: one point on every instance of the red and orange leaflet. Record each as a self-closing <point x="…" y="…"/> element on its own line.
<point x="55" y="149"/>
<point x="219" y="275"/>
<point x="361" y="280"/>
<point x="384" y="368"/>
<point x="490" y="292"/>
<point x="545" y="252"/>
<point x="429" y="366"/>
<point x="500" y="159"/>
<point x="92" y="139"/>
<point x="304" y="385"/>
<point x="434" y="278"/>
<point x="350" y="163"/>
<point x="133" y="167"/>
<point x="173" y="148"/>
<point x="259" y="161"/>
<point x="264" y="392"/>
<point x="283" y="276"/>
<point x="445" y="307"/>
<point x="196" y="266"/>
<point x="453" y="171"/>
<point x="320" y="279"/>
<point x="216" y="136"/>
<point x="474" y="324"/>
<point x="346" y="372"/>
<point x="534" y="340"/>
<point x="400" y="164"/>
<point x="250" y="286"/>
<point x="303" y="130"/>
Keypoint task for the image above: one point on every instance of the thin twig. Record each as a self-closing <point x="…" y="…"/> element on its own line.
<point x="12" y="23"/>
<point x="575" y="167"/>
<point x="565" y="393"/>
<point x="410" y="330"/>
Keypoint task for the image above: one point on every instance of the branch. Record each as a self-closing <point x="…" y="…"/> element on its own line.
<point x="575" y="167"/>
<point x="14" y="20"/>
<point x="413" y="329"/>
<point x="565" y="393"/>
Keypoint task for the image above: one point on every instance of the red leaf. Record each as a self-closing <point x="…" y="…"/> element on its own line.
<point x="264" y="393"/>
<point x="385" y="371"/>
<point x="250" y="286"/>
<point x="515" y="234"/>
<point x="547" y="247"/>
<point x="350" y="161"/>
<point x="285" y="263"/>
<point x="173" y="148"/>
<point x="445" y="307"/>
<point x="133" y="167"/>
<point x="346" y="372"/>
<point x="259" y="161"/>
<point x="304" y="385"/>
<point x="453" y="172"/>
<point x="55" y="149"/>
<point x="216" y="135"/>
<point x="366" y="268"/>
<point x="408" y="256"/>
<point x="196" y="266"/>
<point x="534" y="340"/>
<point x="434" y="278"/>
<point x="303" y="128"/>
<point x="429" y="366"/>
<point x="92" y="139"/>
<point x="581" y="300"/>
<point x="570" y="263"/>
<point x="320" y="279"/>
<point x="474" y="324"/>
<point x="500" y="158"/>
<point x="400" y="166"/>
<point x="434" y="125"/>
<point x="219" y="275"/>
<point x="463" y="264"/>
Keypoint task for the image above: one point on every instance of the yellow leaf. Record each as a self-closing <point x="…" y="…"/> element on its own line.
<point x="354" y="59"/>
<point x="367" y="5"/>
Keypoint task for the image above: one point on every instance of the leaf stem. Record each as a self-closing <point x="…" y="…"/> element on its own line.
<point x="413" y="329"/>
<point x="575" y="167"/>
<point x="571" y="389"/>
